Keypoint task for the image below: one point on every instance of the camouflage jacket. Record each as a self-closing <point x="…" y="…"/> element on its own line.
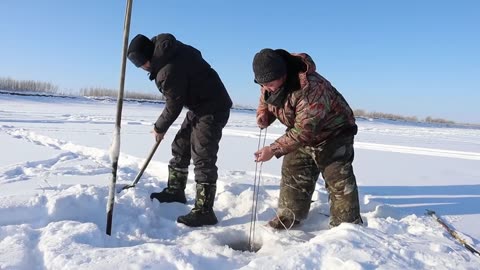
<point x="313" y="114"/>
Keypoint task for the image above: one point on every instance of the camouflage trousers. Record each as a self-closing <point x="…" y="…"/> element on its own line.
<point x="300" y="171"/>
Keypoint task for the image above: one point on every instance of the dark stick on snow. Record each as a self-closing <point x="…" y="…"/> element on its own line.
<point x="453" y="233"/>
<point x="144" y="166"/>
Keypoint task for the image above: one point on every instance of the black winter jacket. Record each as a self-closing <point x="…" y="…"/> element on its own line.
<point x="186" y="80"/>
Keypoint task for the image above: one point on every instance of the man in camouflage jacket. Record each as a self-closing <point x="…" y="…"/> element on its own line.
<point x="319" y="137"/>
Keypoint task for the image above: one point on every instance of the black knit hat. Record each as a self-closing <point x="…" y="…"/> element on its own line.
<point x="140" y="50"/>
<point x="268" y="66"/>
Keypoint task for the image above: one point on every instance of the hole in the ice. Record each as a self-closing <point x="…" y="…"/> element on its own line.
<point x="245" y="246"/>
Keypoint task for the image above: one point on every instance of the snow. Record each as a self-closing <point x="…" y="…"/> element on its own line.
<point x="55" y="172"/>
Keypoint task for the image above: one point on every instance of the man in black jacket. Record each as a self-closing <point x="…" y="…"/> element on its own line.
<point x="186" y="80"/>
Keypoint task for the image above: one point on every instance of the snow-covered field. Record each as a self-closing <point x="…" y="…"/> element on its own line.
<point x="55" y="172"/>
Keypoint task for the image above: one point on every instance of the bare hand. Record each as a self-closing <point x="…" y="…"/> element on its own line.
<point x="264" y="154"/>
<point x="262" y="121"/>
<point x="158" y="136"/>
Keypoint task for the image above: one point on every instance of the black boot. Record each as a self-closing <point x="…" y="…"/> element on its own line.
<point x="202" y="213"/>
<point x="175" y="191"/>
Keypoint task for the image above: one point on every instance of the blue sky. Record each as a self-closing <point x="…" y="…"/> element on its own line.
<point x="414" y="58"/>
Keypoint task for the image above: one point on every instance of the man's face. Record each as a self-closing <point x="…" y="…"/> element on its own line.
<point x="273" y="86"/>
<point x="146" y="66"/>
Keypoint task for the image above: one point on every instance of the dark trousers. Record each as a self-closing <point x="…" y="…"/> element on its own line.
<point x="198" y="139"/>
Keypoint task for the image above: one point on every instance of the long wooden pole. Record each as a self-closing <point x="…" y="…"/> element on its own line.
<point x="453" y="233"/>
<point x="115" y="149"/>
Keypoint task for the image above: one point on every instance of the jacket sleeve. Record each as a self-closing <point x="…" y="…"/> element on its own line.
<point x="262" y="109"/>
<point x="174" y="88"/>
<point x="310" y="111"/>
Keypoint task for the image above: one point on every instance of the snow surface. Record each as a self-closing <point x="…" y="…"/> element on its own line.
<point x="55" y="171"/>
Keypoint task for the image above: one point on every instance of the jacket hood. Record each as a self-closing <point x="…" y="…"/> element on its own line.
<point x="308" y="61"/>
<point x="299" y="66"/>
<point x="166" y="46"/>
<point x="298" y="62"/>
<point x="310" y="68"/>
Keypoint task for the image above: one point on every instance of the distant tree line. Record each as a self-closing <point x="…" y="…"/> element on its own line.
<point x="106" y="92"/>
<point x="429" y="119"/>
<point x="396" y="117"/>
<point x="10" y="84"/>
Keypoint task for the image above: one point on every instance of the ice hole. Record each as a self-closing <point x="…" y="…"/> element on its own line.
<point x="245" y="246"/>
